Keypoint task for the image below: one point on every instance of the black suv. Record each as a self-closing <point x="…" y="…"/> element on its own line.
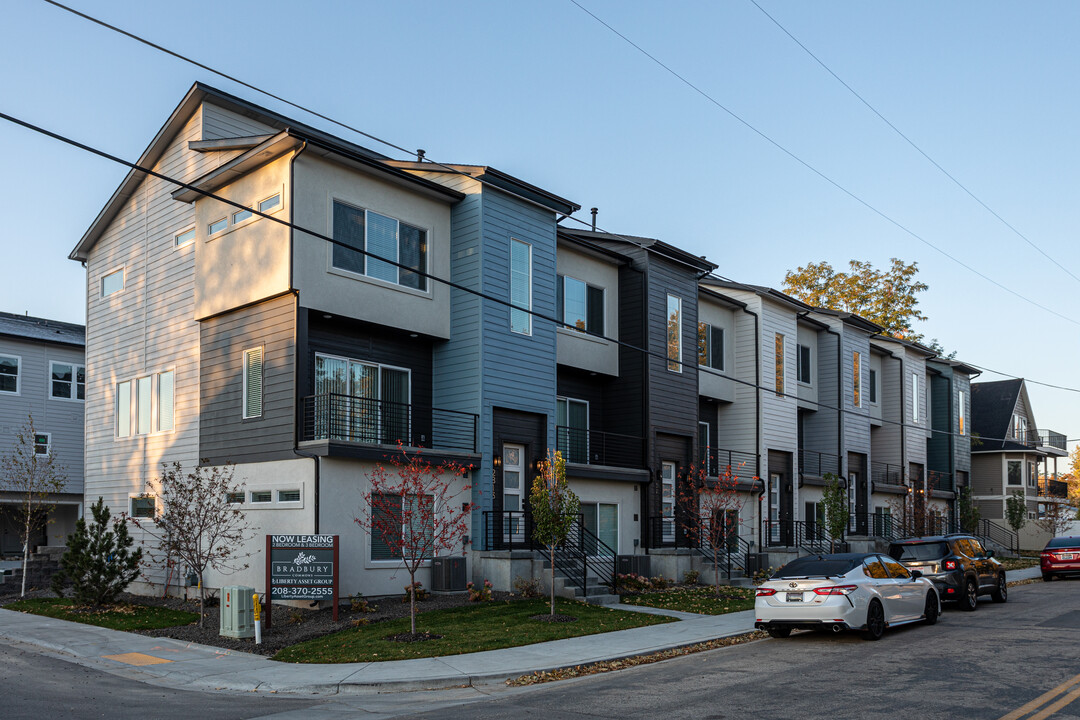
<point x="959" y="567"/>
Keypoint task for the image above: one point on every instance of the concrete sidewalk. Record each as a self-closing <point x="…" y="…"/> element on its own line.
<point x="192" y="666"/>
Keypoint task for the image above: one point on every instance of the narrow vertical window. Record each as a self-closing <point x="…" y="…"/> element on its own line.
<point x="961" y="408"/>
<point x="873" y="386"/>
<point x="914" y="397"/>
<point x="144" y="390"/>
<point x="674" y="333"/>
<point x="166" y="393"/>
<point x="520" y="287"/>
<point x="253" y="382"/>
<point x="123" y="409"/>
<point x="802" y="370"/>
<point x="856" y="373"/>
<point x="778" y="360"/>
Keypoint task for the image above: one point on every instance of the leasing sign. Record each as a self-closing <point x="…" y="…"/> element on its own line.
<point x="302" y="567"/>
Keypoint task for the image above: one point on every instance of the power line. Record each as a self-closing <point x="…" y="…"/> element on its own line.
<point x="911" y="142"/>
<point x="485" y="296"/>
<point x="814" y="170"/>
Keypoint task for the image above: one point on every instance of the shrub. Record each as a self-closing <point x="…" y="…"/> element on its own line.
<point x="762" y="575"/>
<point x="632" y="582"/>
<point x="479" y="594"/>
<point x="358" y="603"/>
<point x="690" y="577"/>
<point x="98" y="561"/>
<point x="418" y="589"/>
<point x="527" y="587"/>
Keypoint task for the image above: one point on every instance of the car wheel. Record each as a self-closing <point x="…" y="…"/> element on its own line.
<point x="969" y="599"/>
<point x="1047" y="577"/>
<point x="875" y="622"/>
<point x="930" y="612"/>
<point x="779" y="632"/>
<point x="1001" y="592"/>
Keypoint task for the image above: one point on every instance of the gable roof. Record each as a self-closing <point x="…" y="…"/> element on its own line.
<point x="496" y="178"/>
<point x="650" y="245"/>
<point x="992" y="406"/>
<point x="26" y="327"/>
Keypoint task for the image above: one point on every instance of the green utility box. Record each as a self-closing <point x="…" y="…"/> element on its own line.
<point x="237" y="612"/>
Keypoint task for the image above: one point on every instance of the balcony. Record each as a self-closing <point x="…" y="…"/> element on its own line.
<point x="1049" y="438"/>
<point x="593" y="447"/>
<point x="886" y="474"/>
<point x="940" y="481"/>
<point x="1053" y="489"/>
<point x="742" y="465"/>
<point x="818" y="464"/>
<point x="365" y="421"/>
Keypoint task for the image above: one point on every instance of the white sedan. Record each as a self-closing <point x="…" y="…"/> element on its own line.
<point x="868" y="592"/>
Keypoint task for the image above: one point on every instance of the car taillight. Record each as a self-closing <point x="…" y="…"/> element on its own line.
<point x="765" y="592"/>
<point x="836" y="590"/>
<point x="950" y="564"/>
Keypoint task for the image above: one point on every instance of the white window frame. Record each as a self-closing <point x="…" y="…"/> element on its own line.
<point x="18" y="374"/>
<point x="210" y="231"/>
<point x="346" y="272"/>
<point x="246" y="212"/>
<point x="142" y="496"/>
<point x="48" y="444"/>
<point x="230" y="497"/>
<point x="961" y="405"/>
<point x="74" y="381"/>
<point x="809" y="381"/>
<point x="710" y="332"/>
<point x="133" y="405"/>
<point x="857" y="391"/>
<point x="290" y="503"/>
<point x="529" y="279"/>
<point x="678" y="361"/>
<point x="915" y="398"/>
<point x="273" y="209"/>
<point x="253" y="493"/>
<point x="667" y="521"/>
<point x="246" y="389"/>
<point x="123" y="281"/>
<point x="177" y="243"/>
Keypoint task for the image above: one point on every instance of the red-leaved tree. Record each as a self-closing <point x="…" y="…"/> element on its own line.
<point x="710" y="509"/>
<point x="414" y="507"/>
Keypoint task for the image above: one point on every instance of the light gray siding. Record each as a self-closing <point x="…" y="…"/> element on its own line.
<point x="737" y="421"/>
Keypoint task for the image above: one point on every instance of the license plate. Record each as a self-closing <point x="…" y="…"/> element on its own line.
<point x="794" y="597"/>
<point x="1068" y="556"/>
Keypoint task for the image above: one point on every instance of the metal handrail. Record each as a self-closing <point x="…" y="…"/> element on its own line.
<point x="739" y="463"/>
<point x="818" y="464"/>
<point x="809" y="536"/>
<point x="886" y="474"/>
<point x="595" y="447"/>
<point x="939" y="480"/>
<point x="333" y="416"/>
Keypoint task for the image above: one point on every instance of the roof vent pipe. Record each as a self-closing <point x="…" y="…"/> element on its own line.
<point x="420" y="155"/>
<point x="593" y="211"/>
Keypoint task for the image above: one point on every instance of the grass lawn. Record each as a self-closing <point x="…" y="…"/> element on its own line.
<point x="1019" y="563"/>
<point x="472" y="628"/>
<point x="120" y="616"/>
<point x="701" y="600"/>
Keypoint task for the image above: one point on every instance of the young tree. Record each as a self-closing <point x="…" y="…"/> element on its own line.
<point x="1057" y="517"/>
<point x="554" y="508"/>
<point x="967" y="511"/>
<point x="886" y="297"/>
<point x="413" y="507"/>
<point x="31" y="473"/>
<point x="710" y="509"/>
<point x="1016" y="510"/>
<point x="98" y="562"/>
<point x="837" y="510"/>
<point x="195" y="523"/>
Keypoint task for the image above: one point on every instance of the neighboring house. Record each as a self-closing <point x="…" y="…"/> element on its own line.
<point x="43" y="374"/>
<point x="1007" y="452"/>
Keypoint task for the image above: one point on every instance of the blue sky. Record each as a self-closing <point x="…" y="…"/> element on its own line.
<point x="543" y="91"/>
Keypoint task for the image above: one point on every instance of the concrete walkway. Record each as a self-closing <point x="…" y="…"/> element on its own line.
<point x="191" y="666"/>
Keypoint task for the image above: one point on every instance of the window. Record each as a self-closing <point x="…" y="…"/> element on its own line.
<point x="915" y="397"/>
<point x="9" y="374"/>
<point x="42" y="443"/>
<point x="961" y="408"/>
<point x="513" y="472"/>
<point x="218" y="225"/>
<point x="572" y="425"/>
<point x="185" y="238"/>
<point x="856" y="379"/>
<point x="288" y="496"/>
<point x="778" y="362"/>
<point x="520" y="287"/>
<point x="579" y="304"/>
<point x="361" y="402"/>
<point x="1014" y="472"/>
<point x="873" y="386"/>
<point x="145" y="405"/>
<point x="703" y="444"/>
<point x="241" y="216"/>
<point x="234" y="498"/>
<point x="874" y="569"/>
<point x="414" y="533"/>
<point x="802" y="369"/>
<point x="1019" y="428"/>
<point x="674" y="333"/>
<point x="261" y="496"/>
<point x="896" y="570"/>
<point x="1033" y="477"/>
<point x="144" y="506"/>
<point x="667" y="502"/>
<point x="710" y="346"/>
<point x="270" y="203"/>
<point x="602" y="521"/>
<point x="112" y="283"/>
<point x="68" y="381"/>
<point x="253" y="380"/>
<point x="385" y="240"/>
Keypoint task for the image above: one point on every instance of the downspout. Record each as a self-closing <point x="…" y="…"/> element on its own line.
<point x="296" y="340"/>
<point x="757" y="420"/>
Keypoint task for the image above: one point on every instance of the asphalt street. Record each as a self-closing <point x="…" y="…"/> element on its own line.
<point x="986" y="664"/>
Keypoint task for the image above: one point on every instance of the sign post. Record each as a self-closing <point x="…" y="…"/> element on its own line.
<point x="301" y="567"/>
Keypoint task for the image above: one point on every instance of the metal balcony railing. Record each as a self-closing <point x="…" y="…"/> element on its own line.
<point x="742" y="465"/>
<point x="1049" y="438"/>
<point x="818" y="464"/>
<point x="939" y="480"/>
<point x="594" y="447"/>
<point x="886" y="474"/>
<point x="1053" y="489"/>
<point x="380" y="422"/>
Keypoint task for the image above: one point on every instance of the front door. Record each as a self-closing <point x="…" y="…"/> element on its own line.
<point x="774" y="508"/>
<point x="667" y="502"/>
<point x="857" y="488"/>
<point x="513" y="520"/>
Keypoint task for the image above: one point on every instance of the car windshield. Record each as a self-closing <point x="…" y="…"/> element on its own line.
<point x="906" y="552"/>
<point x="817" y="566"/>
<point x="1063" y="542"/>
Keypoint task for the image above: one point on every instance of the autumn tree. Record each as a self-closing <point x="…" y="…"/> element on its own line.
<point x="554" y="507"/>
<point x="886" y="297"/>
<point x="30" y="473"/>
<point x="1058" y="516"/>
<point x="413" y="508"/>
<point x="196" y="522"/>
<point x="710" y="511"/>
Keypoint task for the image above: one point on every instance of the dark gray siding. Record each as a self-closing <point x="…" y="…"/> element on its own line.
<point x="626" y="406"/>
<point x="224" y="435"/>
<point x="673" y="396"/>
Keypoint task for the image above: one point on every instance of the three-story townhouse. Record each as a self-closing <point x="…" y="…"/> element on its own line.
<point x="948" y="450"/>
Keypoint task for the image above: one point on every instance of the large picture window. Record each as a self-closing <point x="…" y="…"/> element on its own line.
<point x="520" y="287"/>
<point x="390" y="543"/>
<point x="579" y="304"/>
<point x="361" y="401"/>
<point x="674" y="333"/>
<point x="710" y="346"/>
<point x="145" y="405"/>
<point x="572" y="426"/>
<point x="386" y="240"/>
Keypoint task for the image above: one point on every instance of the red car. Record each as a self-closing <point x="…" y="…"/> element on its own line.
<point x="1061" y="556"/>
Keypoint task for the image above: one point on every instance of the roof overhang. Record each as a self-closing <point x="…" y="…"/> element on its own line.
<point x="495" y="178"/>
<point x="273" y="147"/>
